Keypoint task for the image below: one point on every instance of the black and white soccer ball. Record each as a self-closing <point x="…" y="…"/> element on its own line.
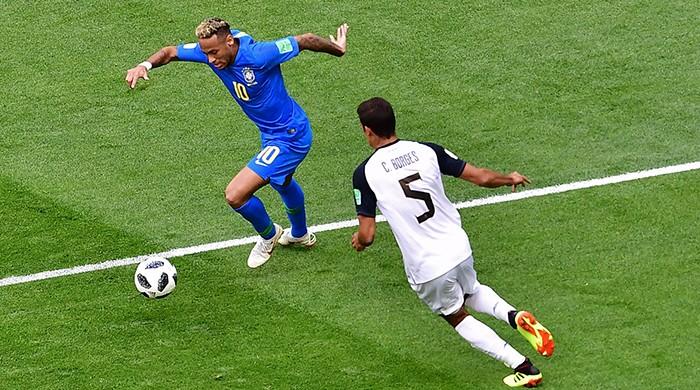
<point x="155" y="277"/>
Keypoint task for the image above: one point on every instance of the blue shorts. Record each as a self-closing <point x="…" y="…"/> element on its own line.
<point x="278" y="160"/>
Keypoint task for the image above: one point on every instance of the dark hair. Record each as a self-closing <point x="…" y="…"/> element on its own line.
<point x="377" y="114"/>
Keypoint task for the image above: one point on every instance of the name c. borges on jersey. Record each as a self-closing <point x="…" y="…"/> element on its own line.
<point x="401" y="161"/>
<point x="404" y="181"/>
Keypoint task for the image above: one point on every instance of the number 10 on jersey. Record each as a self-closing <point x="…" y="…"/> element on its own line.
<point x="241" y="91"/>
<point x="267" y="155"/>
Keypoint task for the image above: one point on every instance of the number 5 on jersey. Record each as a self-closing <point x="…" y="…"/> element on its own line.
<point x="420" y="195"/>
<point x="241" y="91"/>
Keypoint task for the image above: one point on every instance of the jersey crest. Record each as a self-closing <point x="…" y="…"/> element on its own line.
<point x="248" y="76"/>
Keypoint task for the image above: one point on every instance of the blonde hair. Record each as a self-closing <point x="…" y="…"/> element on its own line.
<point x="210" y="27"/>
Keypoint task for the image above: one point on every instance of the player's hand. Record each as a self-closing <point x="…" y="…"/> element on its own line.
<point x="518" y="179"/>
<point x="134" y="74"/>
<point x="356" y="243"/>
<point x="341" y="39"/>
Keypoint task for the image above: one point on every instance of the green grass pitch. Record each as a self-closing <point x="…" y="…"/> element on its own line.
<point x="565" y="91"/>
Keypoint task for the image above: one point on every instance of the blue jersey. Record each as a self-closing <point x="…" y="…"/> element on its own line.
<point x="255" y="81"/>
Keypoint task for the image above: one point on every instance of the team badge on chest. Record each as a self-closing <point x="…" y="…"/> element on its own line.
<point x="248" y="75"/>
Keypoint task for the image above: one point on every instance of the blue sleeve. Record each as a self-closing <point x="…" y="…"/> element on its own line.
<point x="273" y="53"/>
<point x="243" y="37"/>
<point x="191" y="52"/>
<point x="449" y="163"/>
<point x="365" y="200"/>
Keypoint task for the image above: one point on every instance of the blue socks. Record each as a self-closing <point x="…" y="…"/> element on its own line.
<point x="293" y="198"/>
<point x="254" y="212"/>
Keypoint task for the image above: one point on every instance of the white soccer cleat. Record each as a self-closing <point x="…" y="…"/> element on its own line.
<point x="308" y="240"/>
<point x="263" y="249"/>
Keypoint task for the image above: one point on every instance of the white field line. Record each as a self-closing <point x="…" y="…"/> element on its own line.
<point x="350" y="223"/>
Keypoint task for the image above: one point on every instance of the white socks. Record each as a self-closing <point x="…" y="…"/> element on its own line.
<point x="486" y="301"/>
<point x="486" y="340"/>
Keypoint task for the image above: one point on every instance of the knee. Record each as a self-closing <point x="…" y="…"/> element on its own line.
<point x="234" y="197"/>
<point x="455" y="318"/>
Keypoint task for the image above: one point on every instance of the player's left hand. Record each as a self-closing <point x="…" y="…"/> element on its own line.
<point x="341" y="39"/>
<point x="518" y="179"/>
<point x="356" y="243"/>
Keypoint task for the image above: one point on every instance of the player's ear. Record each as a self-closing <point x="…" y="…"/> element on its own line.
<point x="229" y="40"/>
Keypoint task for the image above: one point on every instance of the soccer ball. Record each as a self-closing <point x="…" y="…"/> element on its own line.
<point x="155" y="277"/>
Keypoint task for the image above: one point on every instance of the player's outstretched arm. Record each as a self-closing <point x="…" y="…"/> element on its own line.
<point x="364" y="236"/>
<point x="335" y="45"/>
<point x="484" y="177"/>
<point x="159" y="58"/>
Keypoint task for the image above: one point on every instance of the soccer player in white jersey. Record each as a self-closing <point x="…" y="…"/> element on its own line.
<point x="404" y="180"/>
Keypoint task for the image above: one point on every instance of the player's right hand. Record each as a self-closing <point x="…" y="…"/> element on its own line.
<point x="134" y="74"/>
<point x="518" y="179"/>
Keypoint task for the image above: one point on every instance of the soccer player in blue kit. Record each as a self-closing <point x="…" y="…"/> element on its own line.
<point x="251" y="72"/>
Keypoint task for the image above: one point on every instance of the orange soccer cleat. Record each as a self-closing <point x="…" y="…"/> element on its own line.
<point x="539" y="337"/>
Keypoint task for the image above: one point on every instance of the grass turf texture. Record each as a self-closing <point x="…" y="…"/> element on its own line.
<point x="90" y="171"/>
<point x="608" y="289"/>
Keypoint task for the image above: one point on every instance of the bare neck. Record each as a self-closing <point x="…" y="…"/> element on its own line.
<point x="384" y="141"/>
<point x="234" y="50"/>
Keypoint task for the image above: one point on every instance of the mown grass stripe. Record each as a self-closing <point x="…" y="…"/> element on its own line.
<point x="178" y="252"/>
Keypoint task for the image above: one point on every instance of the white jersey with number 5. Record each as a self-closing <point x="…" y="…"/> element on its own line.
<point x="404" y="180"/>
